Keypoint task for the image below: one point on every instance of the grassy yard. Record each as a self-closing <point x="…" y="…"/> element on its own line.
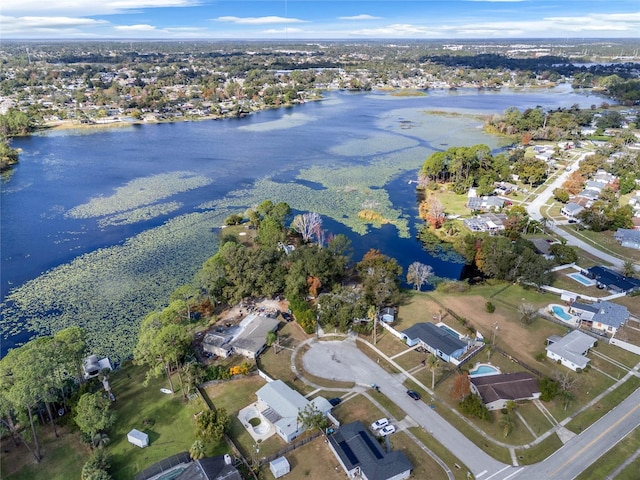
<point x="607" y="463"/>
<point x="561" y="280"/>
<point x="63" y="457"/>
<point x="594" y="413"/>
<point x="540" y="451"/>
<point x="167" y="419"/>
<point x="605" y="242"/>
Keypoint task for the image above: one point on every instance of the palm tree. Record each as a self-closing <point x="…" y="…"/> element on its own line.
<point x="507" y="423"/>
<point x="628" y="269"/>
<point x="433" y="364"/>
<point x="272" y="339"/>
<point x="197" y="450"/>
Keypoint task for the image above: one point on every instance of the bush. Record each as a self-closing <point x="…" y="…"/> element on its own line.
<point x="541" y="357"/>
<point x="233" y="219"/>
<point x="490" y="307"/>
<point x="472" y="405"/>
<point x="548" y="389"/>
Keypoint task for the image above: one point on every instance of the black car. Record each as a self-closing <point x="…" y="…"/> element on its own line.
<point x="413" y="394"/>
<point x="286" y="316"/>
<point x="335" y="401"/>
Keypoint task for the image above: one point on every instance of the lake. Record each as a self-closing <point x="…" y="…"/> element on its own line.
<point x="98" y="227"/>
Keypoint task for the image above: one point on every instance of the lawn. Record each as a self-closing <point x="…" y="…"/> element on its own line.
<point x="539" y="451"/>
<point x="62" y="458"/>
<point x="561" y="280"/>
<point x="595" y="412"/>
<point x="167" y="419"/>
<point x="607" y="463"/>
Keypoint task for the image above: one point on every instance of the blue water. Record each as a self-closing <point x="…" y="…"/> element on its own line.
<point x="61" y="170"/>
<point x="560" y="313"/>
<point x="483" y="370"/>
<point x="451" y="332"/>
<point x="582" y="279"/>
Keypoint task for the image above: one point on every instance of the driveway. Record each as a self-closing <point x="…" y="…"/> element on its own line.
<point x="342" y="361"/>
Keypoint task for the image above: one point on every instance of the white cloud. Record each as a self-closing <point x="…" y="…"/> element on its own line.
<point x="23" y="26"/>
<point x="85" y="8"/>
<point x="282" y="31"/>
<point x="135" y="28"/>
<point x="360" y="17"/>
<point x="257" y="20"/>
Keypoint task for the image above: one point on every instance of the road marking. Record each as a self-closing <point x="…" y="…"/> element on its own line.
<point x="498" y="472"/>
<point x="620" y="420"/>
<point x="481" y="473"/>
<point x="514" y="473"/>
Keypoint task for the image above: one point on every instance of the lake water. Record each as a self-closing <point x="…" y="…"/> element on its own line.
<point x="99" y="223"/>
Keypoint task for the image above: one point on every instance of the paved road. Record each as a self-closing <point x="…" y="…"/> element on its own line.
<point x="341" y="360"/>
<point x="533" y="209"/>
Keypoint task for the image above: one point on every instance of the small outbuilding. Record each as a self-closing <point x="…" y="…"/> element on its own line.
<point x="138" y="438"/>
<point x="279" y="467"/>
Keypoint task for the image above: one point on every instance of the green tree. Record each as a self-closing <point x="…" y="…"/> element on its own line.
<point x="312" y="418"/>
<point x="197" y="450"/>
<point x="92" y="414"/>
<point x="433" y="364"/>
<point x="561" y="195"/>
<point x="629" y="269"/>
<point x="211" y="425"/>
<point x="380" y="276"/>
<point x="507" y="422"/>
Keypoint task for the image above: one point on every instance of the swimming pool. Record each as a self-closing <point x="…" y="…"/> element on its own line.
<point x="560" y="312"/>
<point x="578" y="277"/>
<point x="484" y="369"/>
<point x="450" y="331"/>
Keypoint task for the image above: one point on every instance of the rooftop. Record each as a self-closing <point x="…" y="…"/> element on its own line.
<point x="435" y="337"/>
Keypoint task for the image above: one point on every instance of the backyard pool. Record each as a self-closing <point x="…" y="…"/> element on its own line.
<point x="578" y="277"/>
<point x="484" y="369"/>
<point x="561" y="312"/>
<point x="450" y="331"/>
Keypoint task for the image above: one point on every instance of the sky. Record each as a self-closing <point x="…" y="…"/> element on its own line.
<point x="318" y="19"/>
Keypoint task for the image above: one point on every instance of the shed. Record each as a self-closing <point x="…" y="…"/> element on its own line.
<point x="138" y="438"/>
<point x="279" y="467"/>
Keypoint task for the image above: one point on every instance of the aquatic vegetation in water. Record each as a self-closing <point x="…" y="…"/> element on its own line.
<point x="141" y="214"/>
<point x="140" y="192"/>
<point x="110" y="290"/>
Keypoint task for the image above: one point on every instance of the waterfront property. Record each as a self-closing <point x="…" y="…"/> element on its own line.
<point x="436" y="340"/>
<point x="602" y="316"/>
<point x="571" y="350"/>
<point x="362" y="457"/>
<point x="489" y="222"/>
<point x="497" y="390"/>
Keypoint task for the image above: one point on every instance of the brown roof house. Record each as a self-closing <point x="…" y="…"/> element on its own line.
<point x="497" y="390"/>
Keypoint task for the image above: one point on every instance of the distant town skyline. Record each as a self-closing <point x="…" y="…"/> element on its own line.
<point x="319" y="19"/>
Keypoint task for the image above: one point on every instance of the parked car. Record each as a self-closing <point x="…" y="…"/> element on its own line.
<point x="388" y="430"/>
<point x="413" y="394"/>
<point x="335" y="401"/>
<point x="287" y="316"/>
<point x="380" y="423"/>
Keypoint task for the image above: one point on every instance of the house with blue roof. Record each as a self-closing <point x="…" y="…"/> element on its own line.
<point x="612" y="280"/>
<point x="436" y="340"/>
<point x="362" y="457"/>
<point x="603" y="316"/>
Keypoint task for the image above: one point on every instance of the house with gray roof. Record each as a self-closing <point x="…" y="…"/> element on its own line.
<point x="497" y="390"/>
<point x="570" y="350"/>
<point x="211" y="468"/>
<point x="436" y="340"/>
<point x="604" y="316"/>
<point x="571" y="210"/>
<point x="628" y="237"/>
<point x="362" y="457"/>
<point x="492" y="223"/>
<point x="283" y="404"/>
<point x="486" y="203"/>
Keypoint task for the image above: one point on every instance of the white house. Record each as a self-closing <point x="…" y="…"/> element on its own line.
<point x="283" y="406"/>
<point x="571" y="210"/>
<point x="570" y="350"/>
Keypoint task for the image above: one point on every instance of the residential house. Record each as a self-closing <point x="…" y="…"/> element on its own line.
<point x="488" y="222"/>
<point x="248" y="338"/>
<point x="604" y="316"/>
<point x="282" y="406"/>
<point x="628" y="237"/>
<point x="612" y="280"/>
<point x="571" y="210"/>
<point x="211" y="468"/>
<point x="92" y="366"/>
<point x="388" y="314"/>
<point x="436" y="340"/>
<point x="570" y="350"/>
<point x="363" y="458"/>
<point x="485" y="204"/>
<point x="497" y="390"/>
